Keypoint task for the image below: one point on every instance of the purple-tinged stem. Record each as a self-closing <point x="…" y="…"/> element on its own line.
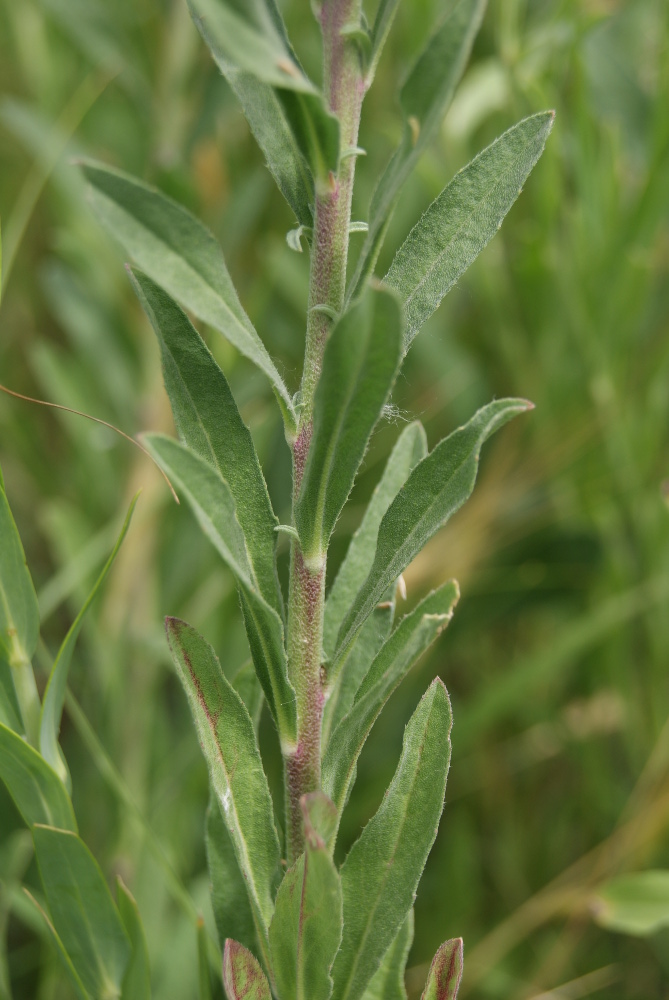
<point x="343" y="84"/>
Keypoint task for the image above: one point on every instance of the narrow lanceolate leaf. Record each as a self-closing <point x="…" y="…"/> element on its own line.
<point x="308" y="135"/>
<point x="235" y="769"/>
<point x="209" y="423"/>
<point x="463" y="220"/>
<point x="411" y="638"/>
<point x="72" y="974"/>
<point x="443" y="979"/>
<point x="229" y="899"/>
<point x="37" y="791"/>
<point x="410" y="448"/>
<point x="383" y="22"/>
<point x="54" y="695"/>
<point x="437" y="487"/>
<point x="137" y="979"/>
<point x="268" y="119"/>
<point x="82" y="911"/>
<point x="246" y="33"/>
<point x="307" y="924"/>
<point x="19" y="612"/>
<point x="351" y="670"/>
<point x="424" y="98"/>
<point x="210" y="499"/>
<point x="382" y="870"/>
<point x="388" y="981"/>
<point x="242" y="976"/>
<point x="360" y="364"/>
<point x="183" y="257"/>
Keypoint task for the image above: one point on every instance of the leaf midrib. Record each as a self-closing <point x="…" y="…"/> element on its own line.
<point x="391" y="859"/>
<point x="466" y="219"/>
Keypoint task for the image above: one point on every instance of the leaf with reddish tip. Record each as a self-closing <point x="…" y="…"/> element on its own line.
<point x="236" y="773"/>
<point x="443" y="979"/>
<point x="242" y="976"/>
<point x="307" y="925"/>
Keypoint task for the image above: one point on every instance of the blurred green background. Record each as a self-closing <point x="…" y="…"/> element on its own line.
<point x="557" y="659"/>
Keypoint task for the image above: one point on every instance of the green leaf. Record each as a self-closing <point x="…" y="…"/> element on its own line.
<point x="307" y="925"/>
<point x="236" y="773"/>
<point x="383" y="21"/>
<point x="54" y="695"/>
<point x="137" y="979"/>
<point x="360" y="364"/>
<point x="410" y="448"/>
<point x="37" y="791"/>
<point x="435" y="489"/>
<point x="275" y="85"/>
<point x="210" y="499"/>
<point x="229" y="898"/>
<point x="242" y="976"/>
<point x="209" y="423"/>
<point x="19" y="612"/>
<point x="463" y="219"/>
<point x="424" y="99"/>
<point x="65" y="959"/>
<point x="387" y="983"/>
<point x="82" y="911"/>
<point x="636" y="903"/>
<point x="246" y="33"/>
<point x="443" y="979"/>
<point x="246" y="684"/>
<point x="10" y="713"/>
<point x="174" y="249"/>
<point x="268" y="119"/>
<point x="342" y="688"/>
<point x="381" y="873"/>
<point x="415" y="633"/>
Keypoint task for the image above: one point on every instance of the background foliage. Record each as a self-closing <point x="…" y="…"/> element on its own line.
<point x="556" y="659"/>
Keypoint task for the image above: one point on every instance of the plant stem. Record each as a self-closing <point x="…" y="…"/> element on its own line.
<point x="343" y="84"/>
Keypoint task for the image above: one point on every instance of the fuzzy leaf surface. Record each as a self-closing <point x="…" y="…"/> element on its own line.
<point x="382" y="870"/>
<point x="463" y="219"/>
<point x="360" y="364"/>
<point x="229" y="899"/>
<point x="268" y="119"/>
<point x="54" y="695"/>
<point x="37" y="791"/>
<point x="211" y="501"/>
<point x="424" y="98"/>
<point x="242" y="976"/>
<point x="387" y="982"/>
<point x="82" y="911"/>
<point x="246" y="33"/>
<point x="236" y="773"/>
<point x="19" y="612"/>
<point x="137" y="979"/>
<point x="445" y="975"/>
<point x="435" y="489"/>
<point x="409" y="449"/>
<point x="174" y="249"/>
<point x="307" y="924"/>
<point x="307" y="132"/>
<point x="209" y="423"/>
<point x="414" y="634"/>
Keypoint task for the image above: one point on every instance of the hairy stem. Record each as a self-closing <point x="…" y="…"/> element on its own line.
<point x="344" y="87"/>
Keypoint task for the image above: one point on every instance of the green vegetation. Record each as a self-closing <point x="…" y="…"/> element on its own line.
<point x="555" y="659"/>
